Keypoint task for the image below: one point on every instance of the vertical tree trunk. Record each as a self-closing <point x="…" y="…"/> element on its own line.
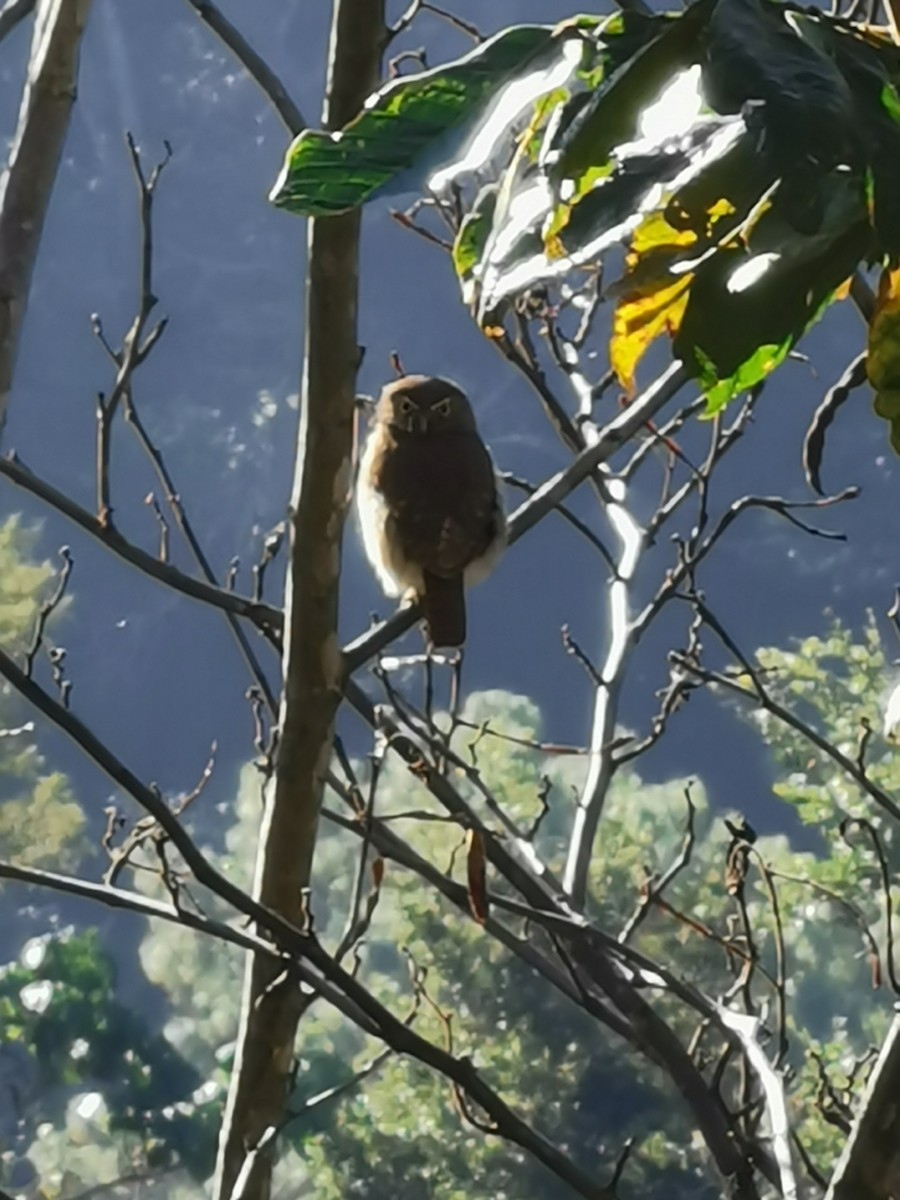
<point x="27" y="180"/>
<point x="312" y="658"/>
<point x="869" y="1168"/>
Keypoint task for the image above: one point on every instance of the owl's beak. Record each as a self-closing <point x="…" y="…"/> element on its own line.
<point x="420" y="420"/>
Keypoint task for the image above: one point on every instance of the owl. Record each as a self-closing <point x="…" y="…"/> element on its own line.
<point x="430" y="511"/>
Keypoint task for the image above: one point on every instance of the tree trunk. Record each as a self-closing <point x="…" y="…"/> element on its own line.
<point x="312" y="659"/>
<point x="27" y="181"/>
<point x="869" y="1168"/>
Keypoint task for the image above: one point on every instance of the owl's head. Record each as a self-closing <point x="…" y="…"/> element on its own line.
<point x="421" y="404"/>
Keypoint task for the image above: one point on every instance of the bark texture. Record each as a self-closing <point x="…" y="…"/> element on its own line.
<point x="27" y="180"/>
<point x="869" y="1168"/>
<point x="312" y="659"/>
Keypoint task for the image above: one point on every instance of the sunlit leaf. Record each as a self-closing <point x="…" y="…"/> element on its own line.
<point x="750" y="304"/>
<point x="639" y="319"/>
<point x="643" y="182"/>
<point x="645" y="176"/>
<point x="883" y="364"/>
<point x="472" y="239"/>
<point x="408" y="119"/>
<point x="613" y="115"/>
<point x="652" y="301"/>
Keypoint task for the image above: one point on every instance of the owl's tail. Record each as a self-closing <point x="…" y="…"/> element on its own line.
<point x="444" y="605"/>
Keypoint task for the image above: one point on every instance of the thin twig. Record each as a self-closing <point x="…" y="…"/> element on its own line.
<point x="135" y="345"/>
<point x="269" y="620"/>
<point x="885" y="874"/>
<point x="48" y="607"/>
<point x="176" y="507"/>
<point x="254" y="64"/>
<point x="655" y="886"/>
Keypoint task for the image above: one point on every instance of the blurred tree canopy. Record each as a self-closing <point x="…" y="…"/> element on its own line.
<point x="397" y="1131"/>
<point x="721" y="176"/>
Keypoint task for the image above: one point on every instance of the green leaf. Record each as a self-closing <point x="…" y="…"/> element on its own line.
<point x="473" y="233"/>
<point x="640" y="183"/>
<point x="734" y="334"/>
<point x="329" y="173"/>
<point x="658" y="48"/>
<point x="797" y="103"/>
<point x="870" y="70"/>
<point x="890" y="100"/>
<point x="883" y="359"/>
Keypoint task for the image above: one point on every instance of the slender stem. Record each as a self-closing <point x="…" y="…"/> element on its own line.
<point x="267" y="619"/>
<point x="256" y="66"/>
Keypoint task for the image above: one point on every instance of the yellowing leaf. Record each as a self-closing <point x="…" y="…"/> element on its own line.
<point x="652" y="300"/>
<point x="883" y="361"/>
<point x="639" y="319"/>
<point x="887" y="405"/>
<point x="843" y="290"/>
<point x="655" y="233"/>
<point x="476" y="863"/>
<point x="883" y="365"/>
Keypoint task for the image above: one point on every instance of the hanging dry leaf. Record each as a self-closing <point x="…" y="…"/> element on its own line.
<point x="476" y="878"/>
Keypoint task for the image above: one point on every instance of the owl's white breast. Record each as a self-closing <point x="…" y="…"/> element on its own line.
<point x="395" y="572"/>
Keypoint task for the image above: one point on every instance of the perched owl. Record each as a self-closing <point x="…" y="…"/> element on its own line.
<point x="431" y="515"/>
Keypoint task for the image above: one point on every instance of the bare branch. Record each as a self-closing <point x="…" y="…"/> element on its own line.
<point x="255" y="66"/>
<point x="48" y="607"/>
<point x="12" y="13"/>
<point x="417" y="6"/>
<point x="869" y="1166"/>
<point x="267" y="619"/>
<point x="311" y="662"/>
<point x="656" y="886"/>
<point x="885" y="875"/>
<point x="586" y="532"/>
<point x="757" y="693"/>
<point x="27" y="181"/>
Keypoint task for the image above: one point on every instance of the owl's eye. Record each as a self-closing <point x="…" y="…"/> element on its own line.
<point x="442" y="407"/>
<point x="406" y="406"/>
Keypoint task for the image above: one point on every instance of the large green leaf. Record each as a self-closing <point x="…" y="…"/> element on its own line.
<point x="736" y="331"/>
<point x="640" y="182"/>
<point x="328" y="173"/>
<point x="872" y="69"/>
<point x="575" y="235"/>
<point x="798" y="105"/>
<point x="657" y="51"/>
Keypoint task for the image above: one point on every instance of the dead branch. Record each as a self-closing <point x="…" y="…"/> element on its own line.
<point x="27" y="181"/>
<point x="267" y="619"/>
<point x="255" y="66"/>
<point x="12" y="13"/>
<point x="312" y="666"/>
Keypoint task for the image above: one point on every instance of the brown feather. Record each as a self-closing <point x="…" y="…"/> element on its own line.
<point x="432" y="510"/>
<point x="441" y="495"/>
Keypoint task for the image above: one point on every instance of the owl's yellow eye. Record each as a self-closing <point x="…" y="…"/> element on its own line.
<point x="442" y="407"/>
<point x="406" y="406"/>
